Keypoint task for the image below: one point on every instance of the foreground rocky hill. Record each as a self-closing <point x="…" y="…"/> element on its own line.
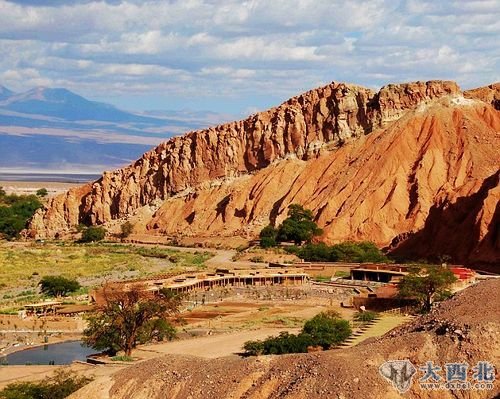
<point x="457" y="331"/>
<point x="414" y="166"/>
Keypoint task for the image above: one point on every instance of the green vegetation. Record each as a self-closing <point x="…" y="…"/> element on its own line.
<point x="58" y="285"/>
<point x="22" y="265"/>
<point x="325" y="330"/>
<point x="268" y="237"/>
<point x="298" y="227"/>
<point x="122" y="359"/>
<point x="126" y="229"/>
<point x="15" y="211"/>
<point x="366" y="316"/>
<point x="93" y="234"/>
<point x="426" y="285"/>
<point x="60" y="386"/>
<point x="344" y="252"/>
<point x="42" y="192"/>
<point x="131" y="317"/>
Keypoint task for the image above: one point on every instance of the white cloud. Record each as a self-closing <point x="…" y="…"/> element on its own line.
<point x="252" y="51"/>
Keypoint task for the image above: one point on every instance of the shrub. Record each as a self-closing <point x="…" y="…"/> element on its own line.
<point x="42" y="192"/>
<point x="344" y="252"/>
<point x="126" y="229"/>
<point x="325" y="330"/>
<point x="93" y="234"/>
<point x="268" y="237"/>
<point x="253" y="348"/>
<point x="15" y="211"/>
<point x="58" y="285"/>
<point x="365" y="316"/>
<point x="60" y="386"/>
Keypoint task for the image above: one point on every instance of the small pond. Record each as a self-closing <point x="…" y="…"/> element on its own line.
<point x="63" y="353"/>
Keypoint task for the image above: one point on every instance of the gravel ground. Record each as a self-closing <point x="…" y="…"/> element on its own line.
<point x="464" y="329"/>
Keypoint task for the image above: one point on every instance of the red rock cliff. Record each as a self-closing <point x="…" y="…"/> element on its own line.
<point x="370" y="165"/>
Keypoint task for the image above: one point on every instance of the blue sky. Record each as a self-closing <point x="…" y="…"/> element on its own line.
<point x="241" y="56"/>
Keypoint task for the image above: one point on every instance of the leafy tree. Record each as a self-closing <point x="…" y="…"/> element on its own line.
<point x="58" y="285"/>
<point x="426" y="284"/>
<point x="42" y="192"/>
<point x="15" y="210"/>
<point x="129" y="317"/>
<point x="299" y="226"/>
<point x="268" y="237"/>
<point x="60" y="386"/>
<point x="126" y="229"/>
<point x="93" y="234"/>
<point x="326" y="330"/>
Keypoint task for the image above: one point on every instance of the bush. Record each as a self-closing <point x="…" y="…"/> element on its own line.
<point x="325" y="330"/>
<point x="42" y="192"/>
<point x="253" y="348"/>
<point x="93" y="234"/>
<point x="60" y="386"/>
<point x="343" y="252"/>
<point x="15" y="211"/>
<point x="268" y="237"/>
<point x="126" y="229"/>
<point x="365" y="316"/>
<point x="58" y="285"/>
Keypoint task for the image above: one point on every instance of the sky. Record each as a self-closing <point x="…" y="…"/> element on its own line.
<point x="238" y="57"/>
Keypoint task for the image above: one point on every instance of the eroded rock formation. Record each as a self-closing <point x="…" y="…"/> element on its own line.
<point x="372" y="166"/>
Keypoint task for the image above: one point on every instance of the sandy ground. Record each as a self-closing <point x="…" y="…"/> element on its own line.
<point x="209" y="347"/>
<point x="26" y="187"/>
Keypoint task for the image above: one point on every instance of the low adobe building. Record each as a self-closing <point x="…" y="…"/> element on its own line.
<point x="190" y="282"/>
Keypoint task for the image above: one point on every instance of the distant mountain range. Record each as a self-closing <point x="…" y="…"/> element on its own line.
<point x="56" y="129"/>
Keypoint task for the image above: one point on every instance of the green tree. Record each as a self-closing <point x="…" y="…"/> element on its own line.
<point x="42" y="192"/>
<point x="426" y="284"/>
<point x="326" y="330"/>
<point x="298" y="226"/>
<point x="126" y="229"/>
<point x="128" y="317"/>
<point x="58" y="285"/>
<point x="15" y="211"/>
<point x="93" y="234"/>
<point x="268" y="237"/>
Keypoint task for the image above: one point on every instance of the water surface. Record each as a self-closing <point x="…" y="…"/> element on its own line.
<point x="63" y="353"/>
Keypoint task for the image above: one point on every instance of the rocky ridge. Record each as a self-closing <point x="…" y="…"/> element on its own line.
<point x="371" y="165"/>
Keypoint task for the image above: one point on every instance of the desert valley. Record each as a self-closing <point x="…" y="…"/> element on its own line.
<point x="249" y="200"/>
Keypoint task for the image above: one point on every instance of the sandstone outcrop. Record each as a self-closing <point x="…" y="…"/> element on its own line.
<point x="489" y="94"/>
<point x="371" y="165"/>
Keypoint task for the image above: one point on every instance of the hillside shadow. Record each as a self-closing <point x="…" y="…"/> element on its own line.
<point x="451" y="230"/>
